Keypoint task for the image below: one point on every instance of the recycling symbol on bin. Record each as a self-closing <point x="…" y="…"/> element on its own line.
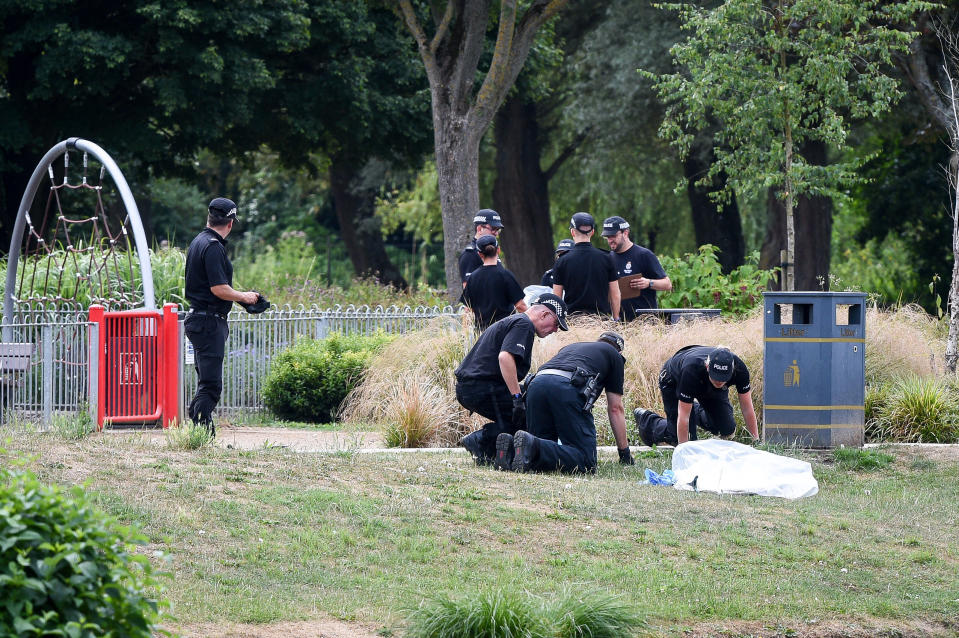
<point x="791" y="375"/>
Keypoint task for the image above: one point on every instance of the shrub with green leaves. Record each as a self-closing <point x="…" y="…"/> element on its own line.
<point x="699" y="282"/>
<point x="913" y="409"/>
<point x="309" y="381"/>
<point x="67" y="569"/>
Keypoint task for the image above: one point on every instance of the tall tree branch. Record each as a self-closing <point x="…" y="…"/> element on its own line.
<point x="499" y="81"/>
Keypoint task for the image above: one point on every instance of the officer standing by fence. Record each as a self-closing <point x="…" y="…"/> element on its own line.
<point x="209" y="290"/>
<point x="491" y="291"/>
<point x="637" y="266"/>
<point x="487" y="381"/>
<point x="694" y="384"/>
<point x="485" y="222"/>
<point x="559" y="407"/>
<point x="585" y="277"/>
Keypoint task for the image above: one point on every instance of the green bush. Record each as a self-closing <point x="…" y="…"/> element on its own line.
<point x="913" y="409"/>
<point x="308" y="381"/>
<point x="66" y="569"/>
<point x="501" y="614"/>
<point x="698" y="282"/>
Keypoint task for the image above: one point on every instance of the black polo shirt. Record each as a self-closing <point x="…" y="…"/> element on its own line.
<point x="584" y="273"/>
<point x="207" y="265"/>
<point x="470" y="260"/>
<point x="638" y="261"/>
<point x="598" y="357"/>
<point x="491" y="293"/>
<point x="687" y="368"/>
<point x="514" y="335"/>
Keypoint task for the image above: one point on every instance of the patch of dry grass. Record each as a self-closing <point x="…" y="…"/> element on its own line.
<point x="418" y="367"/>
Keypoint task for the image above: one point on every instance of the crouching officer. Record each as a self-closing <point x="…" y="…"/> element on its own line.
<point x="208" y="286"/>
<point x="694" y="384"/>
<point x="559" y="405"/>
<point x="487" y="381"/>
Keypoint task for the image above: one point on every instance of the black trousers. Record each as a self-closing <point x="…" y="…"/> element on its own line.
<point x="208" y="334"/>
<point x="492" y="400"/>
<point x="712" y="412"/>
<point x="566" y="432"/>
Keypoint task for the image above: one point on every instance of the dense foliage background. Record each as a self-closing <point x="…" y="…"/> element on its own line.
<point x="315" y="118"/>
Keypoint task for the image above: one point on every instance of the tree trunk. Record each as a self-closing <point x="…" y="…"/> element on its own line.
<point x="359" y="228"/>
<point x="813" y="231"/>
<point x="952" y="340"/>
<point x="520" y="192"/>
<point x="457" y="168"/>
<point x="714" y="223"/>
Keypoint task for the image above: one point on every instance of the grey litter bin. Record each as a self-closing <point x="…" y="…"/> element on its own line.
<point x="814" y="368"/>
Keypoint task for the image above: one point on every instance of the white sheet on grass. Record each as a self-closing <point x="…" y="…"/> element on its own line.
<point x="727" y="467"/>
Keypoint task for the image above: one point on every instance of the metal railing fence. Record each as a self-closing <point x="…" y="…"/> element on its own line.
<point x="256" y="339"/>
<point x="57" y="379"/>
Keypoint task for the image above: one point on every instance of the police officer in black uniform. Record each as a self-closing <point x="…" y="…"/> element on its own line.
<point x="491" y="292"/>
<point x="585" y="277"/>
<point x="485" y="222"/>
<point x="559" y="407"/>
<point x="694" y="384"/>
<point x="640" y="264"/>
<point x="562" y="248"/>
<point x="209" y="290"/>
<point x="487" y="381"/>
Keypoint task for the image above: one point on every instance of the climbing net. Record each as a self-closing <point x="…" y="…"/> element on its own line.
<point x="78" y="252"/>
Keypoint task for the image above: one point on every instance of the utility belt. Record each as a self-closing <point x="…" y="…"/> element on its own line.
<point x="583" y="380"/>
<point x="208" y="313"/>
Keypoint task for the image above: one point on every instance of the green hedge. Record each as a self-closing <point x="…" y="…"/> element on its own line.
<point x="309" y="381"/>
<point x="67" y="569"/>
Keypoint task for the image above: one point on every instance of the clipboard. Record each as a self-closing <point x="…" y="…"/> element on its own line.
<point x="625" y="292"/>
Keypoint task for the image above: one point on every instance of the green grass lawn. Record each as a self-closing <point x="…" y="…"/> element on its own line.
<point x="270" y="535"/>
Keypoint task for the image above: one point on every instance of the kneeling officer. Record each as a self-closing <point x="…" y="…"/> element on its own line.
<point x="559" y="407"/>
<point x="695" y="385"/>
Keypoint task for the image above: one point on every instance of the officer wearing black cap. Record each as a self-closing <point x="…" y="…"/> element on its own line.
<point x="563" y="247"/>
<point x="586" y="276"/>
<point x="694" y="384"/>
<point x="638" y="265"/>
<point x="559" y="407"/>
<point x="487" y="381"/>
<point x="209" y="291"/>
<point x="485" y="222"/>
<point x="491" y="291"/>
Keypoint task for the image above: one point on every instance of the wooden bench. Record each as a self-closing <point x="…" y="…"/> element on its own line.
<point x="14" y="358"/>
<point x="677" y="315"/>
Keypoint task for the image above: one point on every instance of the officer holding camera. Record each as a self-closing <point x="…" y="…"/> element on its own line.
<point x="560" y="432"/>
<point x="208" y="287"/>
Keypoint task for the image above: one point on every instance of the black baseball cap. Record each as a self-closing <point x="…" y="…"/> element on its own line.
<point x="613" y="225"/>
<point x="223" y="208"/>
<point x="614" y="339"/>
<point x="720" y="364"/>
<point x="554" y="303"/>
<point x="486" y="240"/>
<point x="581" y="221"/>
<point x="488" y="216"/>
<point x="564" y="245"/>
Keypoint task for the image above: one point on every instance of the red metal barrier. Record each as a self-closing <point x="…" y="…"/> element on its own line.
<point x="138" y="366"/>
